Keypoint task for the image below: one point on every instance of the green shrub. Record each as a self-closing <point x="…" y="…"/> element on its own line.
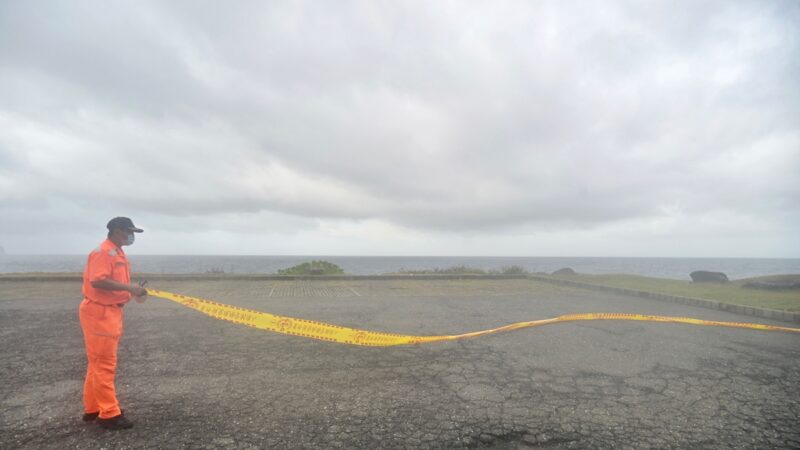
<point x="313" y="268"/>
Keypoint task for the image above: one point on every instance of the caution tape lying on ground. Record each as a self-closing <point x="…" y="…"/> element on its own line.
<point x="352" y="336"/>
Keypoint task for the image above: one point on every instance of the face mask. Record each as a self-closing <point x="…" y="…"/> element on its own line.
<point x="130" y="240"/>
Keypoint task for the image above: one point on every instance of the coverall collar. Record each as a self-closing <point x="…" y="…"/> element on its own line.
<point x="118" y="248"/>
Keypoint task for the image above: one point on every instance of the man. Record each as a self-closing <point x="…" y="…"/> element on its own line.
<point x="106" y="289"/>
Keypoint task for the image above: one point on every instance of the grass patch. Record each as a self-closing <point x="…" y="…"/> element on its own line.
<point x="513" y="270"/>
<point x="313" y="268"/>
<point x="731" y="292"/>
<point x="454" y="270"/>
<point x="465" y="270"/>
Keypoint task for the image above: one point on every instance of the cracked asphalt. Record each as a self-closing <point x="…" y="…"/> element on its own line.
<point x="189" y="381"/>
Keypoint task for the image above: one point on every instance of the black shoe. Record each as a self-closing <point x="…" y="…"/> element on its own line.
<point x="115" y="423"/>
<point x="88" y="417"/>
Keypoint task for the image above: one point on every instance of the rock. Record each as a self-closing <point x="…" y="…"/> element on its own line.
<point x="704" y="276"/>
<point x="564" y="271"/>
<point x="530" y="439"/>
<point x="223" y="441"/>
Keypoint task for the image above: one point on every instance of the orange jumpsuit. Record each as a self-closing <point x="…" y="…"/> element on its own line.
<point x="101" y="320"/>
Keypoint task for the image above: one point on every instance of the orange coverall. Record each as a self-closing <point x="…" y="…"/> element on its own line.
<point x="101" y="320"/>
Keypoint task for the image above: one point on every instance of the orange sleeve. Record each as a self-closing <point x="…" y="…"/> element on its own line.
<point x="100" y="266"/>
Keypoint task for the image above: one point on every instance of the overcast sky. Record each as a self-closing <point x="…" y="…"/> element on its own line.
<point x="402" y="128"/>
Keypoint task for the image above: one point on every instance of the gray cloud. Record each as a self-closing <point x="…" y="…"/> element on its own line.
<point x="436" y="118"/>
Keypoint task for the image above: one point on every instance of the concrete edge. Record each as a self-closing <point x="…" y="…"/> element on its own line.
<point x="772" y="314"/>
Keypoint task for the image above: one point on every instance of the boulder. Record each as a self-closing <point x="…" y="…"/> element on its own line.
<point x="564" y="271"/>
<point x="705" y="276"/>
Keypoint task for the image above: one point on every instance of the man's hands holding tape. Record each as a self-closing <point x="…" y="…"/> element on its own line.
<point x="139" y="292"/>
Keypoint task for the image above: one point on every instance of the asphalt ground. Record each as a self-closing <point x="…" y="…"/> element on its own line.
<point x="189" y="381"/>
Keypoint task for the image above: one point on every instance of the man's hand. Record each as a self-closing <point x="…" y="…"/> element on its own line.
<point x="141" y="298"/>
<point x="137" y="291"/>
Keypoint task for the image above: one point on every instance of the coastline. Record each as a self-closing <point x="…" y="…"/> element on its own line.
<point x="672" y="268"/>
<point x="732" y="296"/>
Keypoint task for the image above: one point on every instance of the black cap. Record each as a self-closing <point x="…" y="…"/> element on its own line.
<point x="122" y="223"/>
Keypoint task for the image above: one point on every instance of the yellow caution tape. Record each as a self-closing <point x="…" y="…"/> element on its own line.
<point x="352" y="336"/>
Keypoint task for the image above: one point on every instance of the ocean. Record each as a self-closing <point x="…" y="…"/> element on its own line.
<point x="675" y="268"/>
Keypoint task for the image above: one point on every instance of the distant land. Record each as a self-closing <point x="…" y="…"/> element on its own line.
<point x="674" y="268"/>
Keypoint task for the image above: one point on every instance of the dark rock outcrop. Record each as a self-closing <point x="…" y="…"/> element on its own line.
<point x="704" y="276"/>
<point x="564" y="271"/>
